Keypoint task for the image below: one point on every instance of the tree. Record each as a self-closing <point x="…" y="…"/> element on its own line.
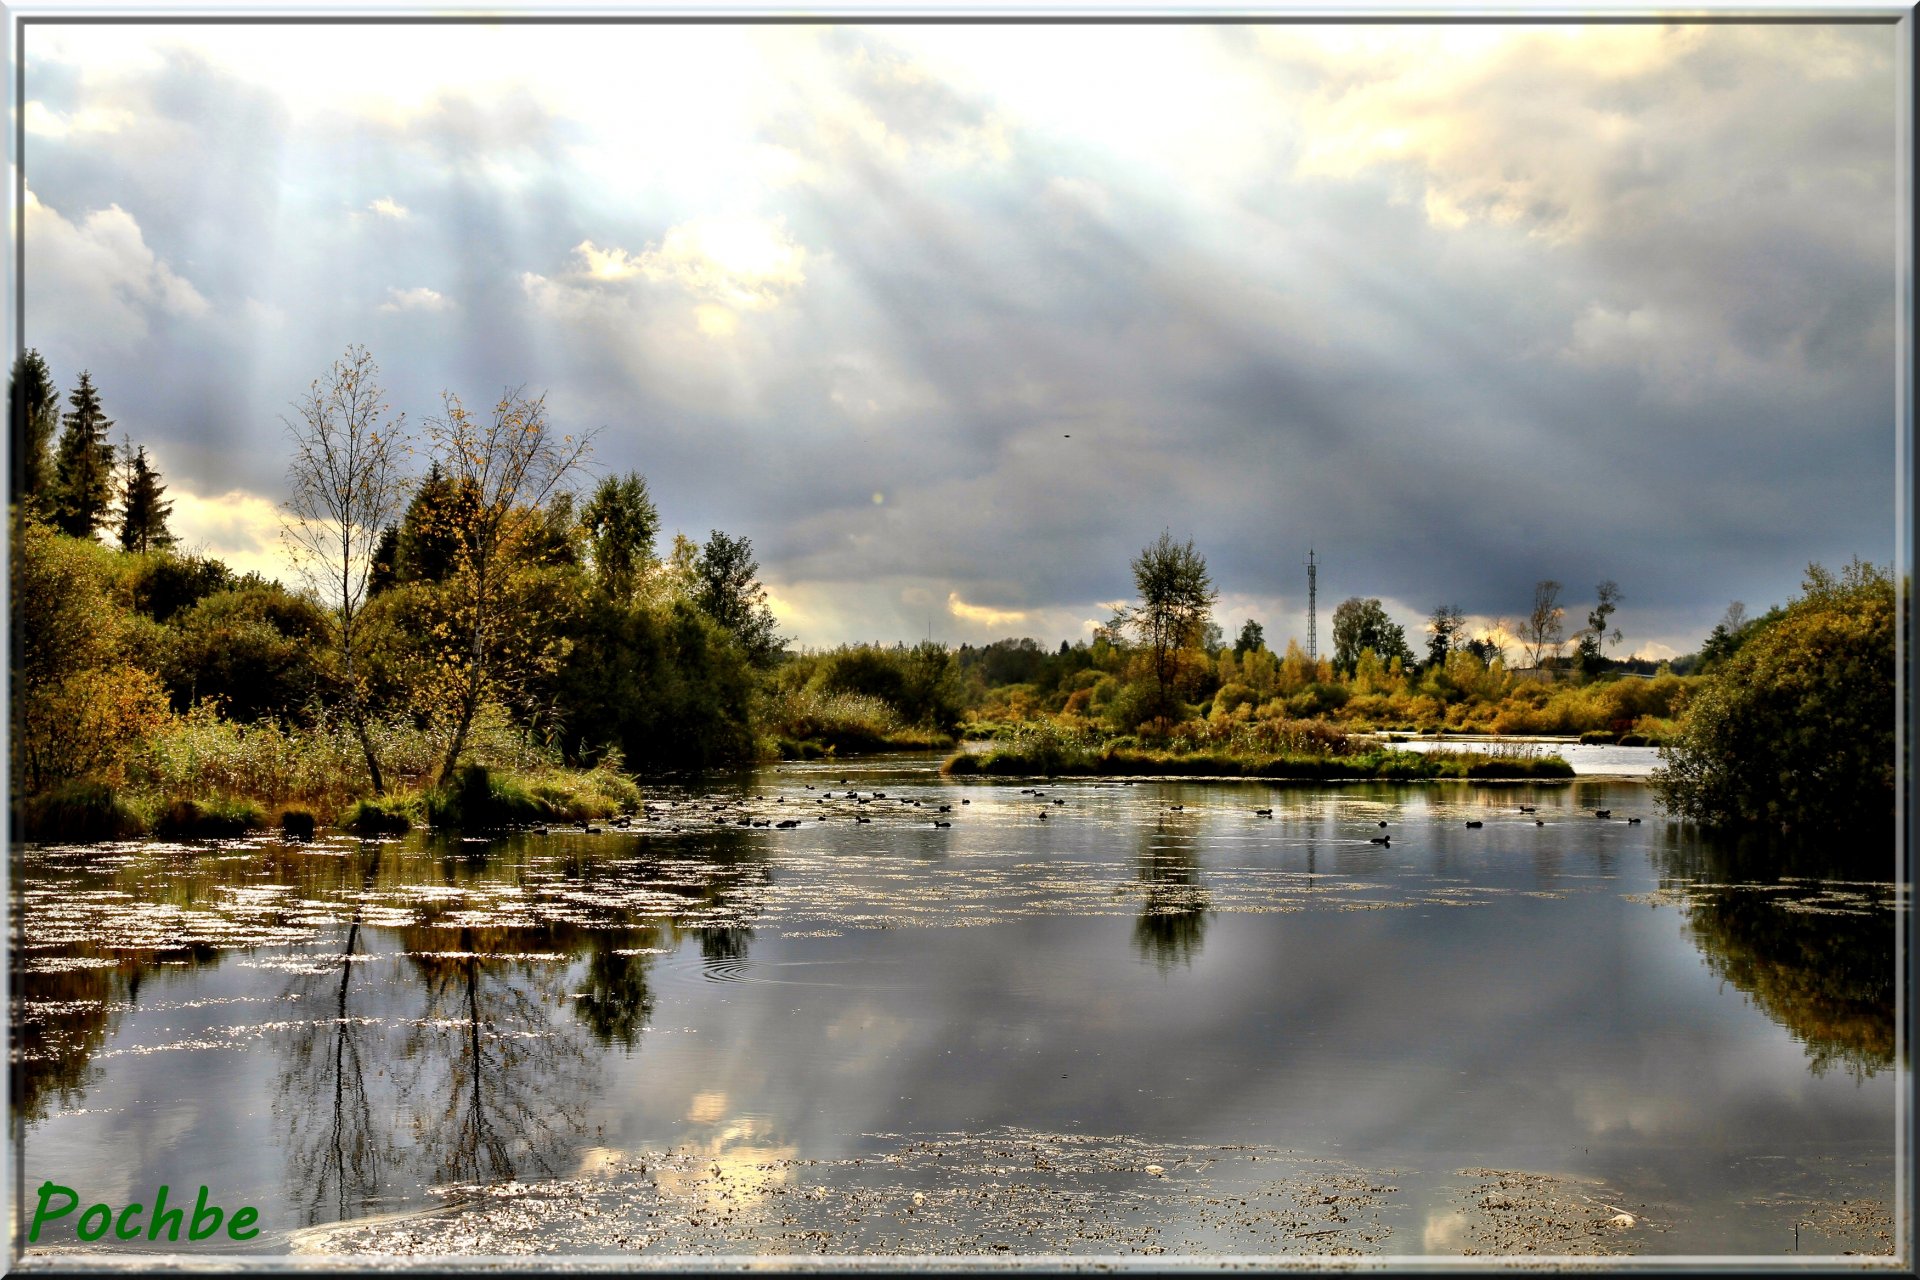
<point x="725" y="586"/>
<point x="347" y="486"/>
<point x="1542" y="633"/>
<point x="1359" y="625"/>
<point x="1443" y="625"/>
<point x="621" y="523"/>
<point x="83" y="467"/>
<point x="1796" y="730"/>
<point x="1595" y="636"/>
<point x="1175" y="594"/>
<point x="500" y="473"/>
<point x="1725" y="639"/>
<point x="143" y="512"/>
<point x="33" y="410"/>
<point x="1253" y="638"/>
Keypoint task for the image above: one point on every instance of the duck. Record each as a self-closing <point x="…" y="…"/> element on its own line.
<point x="1603" y="813"/>
<point x="1263" y="813"/>
<point x="1380" y="840"/>
<point x="1475" y="823"/>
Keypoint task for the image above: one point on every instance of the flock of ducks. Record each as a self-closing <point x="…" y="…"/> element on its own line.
<point x="715" y="812"/>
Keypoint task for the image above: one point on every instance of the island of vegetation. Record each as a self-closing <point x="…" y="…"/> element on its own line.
<point x="498" y="638"/>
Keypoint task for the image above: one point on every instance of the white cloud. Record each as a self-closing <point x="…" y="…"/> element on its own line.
<point x="742" y="263"/>
<point x="239" y="528"/>
<point x="421" y="299"/>
<point x="981" y="615"/>
<point x="97" y="279"/>
<point x="44" y="122"/>
<point x="388" y="207"/>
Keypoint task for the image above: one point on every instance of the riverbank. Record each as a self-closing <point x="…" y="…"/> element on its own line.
<point x="1051" y="758"/>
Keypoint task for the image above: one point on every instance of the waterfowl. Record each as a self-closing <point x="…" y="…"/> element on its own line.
<point x="1603" y="813"/>
<point x="1633" y="822"/>
<point x="1380" y="840"/>
<point x="1263" y="813"/>
<point x="1383" y="822"/>
<point x="1476" y="824"/>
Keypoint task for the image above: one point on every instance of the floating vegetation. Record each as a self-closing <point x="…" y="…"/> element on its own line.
<point x="1005" y="1190"/>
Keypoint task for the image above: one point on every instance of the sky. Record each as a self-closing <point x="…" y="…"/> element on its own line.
<point x="951" y="321"/>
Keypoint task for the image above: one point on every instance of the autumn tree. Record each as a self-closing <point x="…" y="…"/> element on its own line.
<point x="500" y="471"/>
<point x="83" y="467"/>
<point x="143" y="509"/>
<point x="1253" y="638"/>
<point x="1175" y="592"/>
<point x="1542" y="632"/>
<point x="33" y="410"/>
<point x="347" y="479"/>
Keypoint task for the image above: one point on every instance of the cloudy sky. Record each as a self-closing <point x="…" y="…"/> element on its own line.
<point x="952" y="320"/>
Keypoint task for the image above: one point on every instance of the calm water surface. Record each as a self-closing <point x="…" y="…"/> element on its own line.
<point x="1151" y="1020"/>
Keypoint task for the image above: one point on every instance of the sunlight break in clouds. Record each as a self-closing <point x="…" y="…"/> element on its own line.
<point x="982" y="615"/>
<point x="745" y="263"/>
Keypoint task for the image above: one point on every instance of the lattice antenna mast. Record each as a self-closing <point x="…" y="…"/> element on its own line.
<point x="1313" y="589"/>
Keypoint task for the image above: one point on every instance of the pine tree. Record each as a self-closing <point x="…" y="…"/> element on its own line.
<point x="143" y="514"/>
<point x="83" y="469"/>
<point x="33" y="405"/>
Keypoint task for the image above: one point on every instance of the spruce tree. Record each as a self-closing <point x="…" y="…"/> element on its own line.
<point x="143" y="513"/>
<point x="83" y="469"/>
<point x="33" y="410"/>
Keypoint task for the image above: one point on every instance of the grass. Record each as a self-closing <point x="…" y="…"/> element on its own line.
<point x="1378" y="763"/>
<point x="479" y="798"/>
<point x="209" y="819"/>
<point x="804" y="724"/>
<point x="77" y="812"/>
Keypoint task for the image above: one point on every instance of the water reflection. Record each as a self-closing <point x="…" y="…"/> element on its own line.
<point x="1805" y="930"/>
<point x="1173" y="911"/>
<point x="338" y="1155"/>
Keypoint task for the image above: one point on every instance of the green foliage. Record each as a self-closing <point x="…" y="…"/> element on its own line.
<point x="1252" y="636"/>
<point x="621" y="523"/>
<point x="1795" y="731"/>
<point x="664" y="685"/>
<point x="389" y="814"/>
<point x="727" y="588"/>
<point x="1176" y="591"/>
<point x="210" y="819"/>
<point x="479" y="798"/>
<point x="258" y="648"/>
<point x="33" y="412"/>
<point x="143" y="511"/>
<point x="83" y="465"/>
<point x="78" y="708"/>
<point x="74" y="813"/>
<point x="1360" y="625"/>
<point x="160" y="584"/>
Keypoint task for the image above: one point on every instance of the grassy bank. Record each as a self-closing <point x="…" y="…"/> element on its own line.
<point x="1380" y="763"/>
<point x="805" y="724"/>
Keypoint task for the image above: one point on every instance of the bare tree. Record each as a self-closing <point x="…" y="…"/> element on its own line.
<point x="1542" y="632"/>
<point x="501" y="473"/>
<point x="348" y="481"/>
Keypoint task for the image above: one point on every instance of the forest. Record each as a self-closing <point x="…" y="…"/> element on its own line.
<point x="503" y="636"/>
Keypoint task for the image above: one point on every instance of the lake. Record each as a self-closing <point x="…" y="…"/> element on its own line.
<point x="1151" y="1022"/>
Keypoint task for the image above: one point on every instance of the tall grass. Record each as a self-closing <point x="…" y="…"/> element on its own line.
<point x="798" y="719"/>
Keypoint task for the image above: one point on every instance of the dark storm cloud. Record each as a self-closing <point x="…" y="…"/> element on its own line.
<point x="1618" y="307"/>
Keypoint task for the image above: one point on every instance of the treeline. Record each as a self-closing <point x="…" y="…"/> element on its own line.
<point x="498" y="610"/>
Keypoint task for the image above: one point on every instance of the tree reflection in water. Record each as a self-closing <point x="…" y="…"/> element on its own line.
<point x="1805" y="931"/>
<point x="337" y="1152"/>
<point x="1173" y="914"/>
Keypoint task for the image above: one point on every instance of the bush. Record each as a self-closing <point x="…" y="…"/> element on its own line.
<point x="1795" y="731"/>
<point x="76" y="812"/>
<point x="208" y="819"/>
<point x="383" y="815"/>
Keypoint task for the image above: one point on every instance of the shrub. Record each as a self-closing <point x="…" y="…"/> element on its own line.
<point x="205" y="819"/>
<point x="76" y="812"/>
<point x="1796" y="729"/>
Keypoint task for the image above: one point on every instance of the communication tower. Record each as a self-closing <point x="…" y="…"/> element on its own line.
<point x="1313" y="587"/>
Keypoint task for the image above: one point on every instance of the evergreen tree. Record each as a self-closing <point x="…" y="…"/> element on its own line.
<point x="83" y="468"/>
<point x="727" y="587"/>
<point x="143" y="512"/>
<point x="33" y="409"/>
